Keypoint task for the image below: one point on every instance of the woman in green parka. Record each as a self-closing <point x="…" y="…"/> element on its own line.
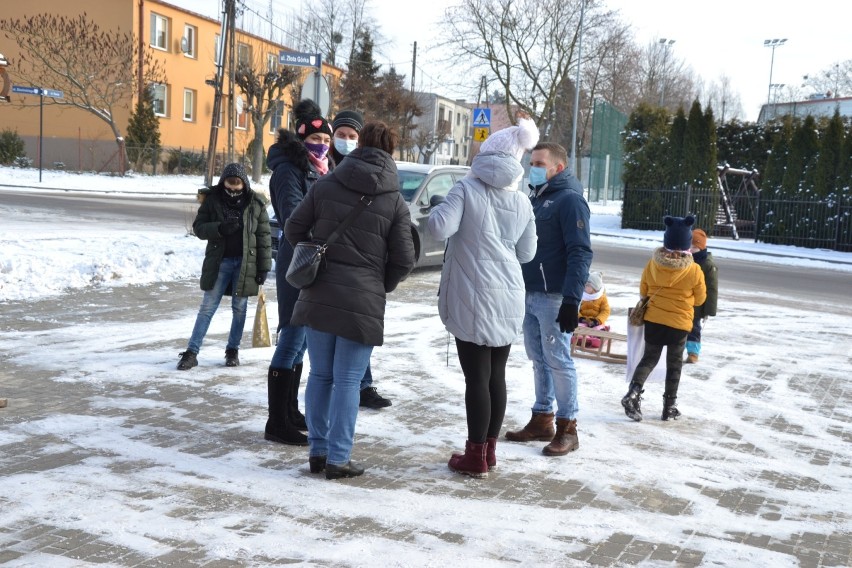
<point x="233" y="220"/>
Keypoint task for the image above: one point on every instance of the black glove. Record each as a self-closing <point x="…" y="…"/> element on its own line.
<point x="229" y="227"/>
<point x="261" y="278"/>
<point x="568" y="317"/>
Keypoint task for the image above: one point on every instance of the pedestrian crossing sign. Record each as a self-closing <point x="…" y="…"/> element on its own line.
<point x="481" y="117"/>
<point x="480" y="134"/>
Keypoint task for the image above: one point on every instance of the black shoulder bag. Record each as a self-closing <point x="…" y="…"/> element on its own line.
<point x="308" y="256"/>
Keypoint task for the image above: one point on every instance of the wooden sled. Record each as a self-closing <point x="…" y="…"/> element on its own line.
<point x="604" y="352"/>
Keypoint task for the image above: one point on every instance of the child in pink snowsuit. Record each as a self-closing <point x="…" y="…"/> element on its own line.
<point x="594" y="309"/>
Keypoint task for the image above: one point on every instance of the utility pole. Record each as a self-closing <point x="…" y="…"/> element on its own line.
<point x="577" y="94"/>
<point x="232" y="53"/>
<point x="217" y="84"/>
<point x="413" y="66"/>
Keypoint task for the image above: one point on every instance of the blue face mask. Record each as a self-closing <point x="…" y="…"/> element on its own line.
<point x="538" y="176"/>
<point x="345" y="146"/>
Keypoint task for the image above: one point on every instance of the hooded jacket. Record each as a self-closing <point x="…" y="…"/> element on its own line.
<point x="490" y="229"/>
<point x="677" y="286"/>
<point x="292" y="177"/>
<point x="257" y="244"/>
<point x="368" y="260"/>
<point x="561" y="263"/>
<point x="704" y="259"/>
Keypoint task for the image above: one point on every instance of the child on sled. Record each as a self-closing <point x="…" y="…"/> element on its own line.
<point x="594" y="310"/>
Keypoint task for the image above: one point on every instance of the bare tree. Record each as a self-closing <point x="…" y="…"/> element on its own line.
<point x="529" y="47"/>
<point x="426" y="142"/>
<point x="834" y="81"/>
<point x="720" y="96"/>
<point x="264" y="88"/>
<point x="97" y="70"/>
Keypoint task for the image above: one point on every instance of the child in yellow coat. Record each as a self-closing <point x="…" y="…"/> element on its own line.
<point x="594" y="309"/>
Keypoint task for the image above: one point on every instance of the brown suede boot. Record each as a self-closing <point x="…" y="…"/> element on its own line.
<point x="539" y="428"/>
<point x="565" y="440"/>
<point x="472" y="461"/>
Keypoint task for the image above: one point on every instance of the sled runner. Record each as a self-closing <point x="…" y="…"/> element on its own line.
<point x="604" y="351"/>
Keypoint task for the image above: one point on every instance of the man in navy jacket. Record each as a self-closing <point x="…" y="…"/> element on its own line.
<point x="554" y="282"/>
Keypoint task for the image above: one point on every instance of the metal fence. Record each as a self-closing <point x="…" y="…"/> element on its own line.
<point x="816" y="223"/>
<point x="606" y="153"/>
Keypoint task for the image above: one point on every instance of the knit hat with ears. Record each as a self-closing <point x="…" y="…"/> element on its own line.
<point x="678" y="235"/>
<point x="309" y="119"/>
<point x="699" y="239"/>
<point x="351" y="118"/>
<point x="515" y="140"/>
<point x="595" y="281"/>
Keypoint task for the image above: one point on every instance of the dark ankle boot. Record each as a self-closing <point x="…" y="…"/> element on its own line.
<point x="232" y="357"/>
<point x="472" y="461"/>
<point x="565" y="440"/>
<point x="317" y="463"/>
<point x="297" y="419"/>
<point x="670" y="407"/>
<point x="278" y="427"/>
<point x="539" y="428"/>
<point x="351" y="469"/>
<point x="632" y="402"/>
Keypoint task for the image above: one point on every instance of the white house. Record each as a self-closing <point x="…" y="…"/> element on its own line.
<point x="443" y="134"/>
<point x="815" y="105"/>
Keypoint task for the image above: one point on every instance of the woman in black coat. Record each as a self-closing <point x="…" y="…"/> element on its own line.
<point x="297" y="160"/>
<point x="344" y="309"/>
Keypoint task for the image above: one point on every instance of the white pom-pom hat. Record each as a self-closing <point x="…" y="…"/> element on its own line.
<point x="515" y="140"/>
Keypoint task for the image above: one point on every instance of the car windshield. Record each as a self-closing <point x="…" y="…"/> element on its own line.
<point x="409" y="182"/>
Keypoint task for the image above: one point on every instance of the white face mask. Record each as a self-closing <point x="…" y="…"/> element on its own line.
<point x="345" y="146"/>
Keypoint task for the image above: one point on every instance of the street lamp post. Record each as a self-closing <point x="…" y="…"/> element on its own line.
<point x="574" y="168"/>
<point x="667" y="44"/>
<point x="776" y="87"/>
<point x="773" y="43"/>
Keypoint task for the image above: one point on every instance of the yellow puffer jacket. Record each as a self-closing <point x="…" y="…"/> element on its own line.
<point x="677" y="286"/>
<point x="595" y="309"/>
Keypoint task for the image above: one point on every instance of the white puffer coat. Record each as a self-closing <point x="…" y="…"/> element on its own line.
<point x="491" y="232"/>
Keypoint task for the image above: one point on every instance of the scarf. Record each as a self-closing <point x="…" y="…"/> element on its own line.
<point x="321" y="165"/>
<point x="589" y="297"/>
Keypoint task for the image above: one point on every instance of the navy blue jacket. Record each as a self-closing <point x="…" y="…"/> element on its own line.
<point x="564" y="254"/>
<point x="292" y="177"/>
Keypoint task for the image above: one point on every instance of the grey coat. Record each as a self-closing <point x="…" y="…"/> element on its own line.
<point x="491" y="232"/>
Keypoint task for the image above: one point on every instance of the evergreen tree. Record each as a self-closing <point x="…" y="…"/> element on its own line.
<point x="829" y="162"/>
<point x="674" y="163"/>
<point x="804" y="147"/>
<point x="778" y="135"/>
<point x="694" y="160"/>
<point x="143" y="133"/>
<point x="358" y="86"/>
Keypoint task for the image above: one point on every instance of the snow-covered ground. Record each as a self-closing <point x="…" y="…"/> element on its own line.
<point x="759" y="464"/>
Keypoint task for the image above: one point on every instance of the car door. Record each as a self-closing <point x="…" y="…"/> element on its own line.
<point x="440" y="183"/>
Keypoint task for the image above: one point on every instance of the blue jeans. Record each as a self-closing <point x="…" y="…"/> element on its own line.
<point x="550" y="352"/>
<point x="367" y="379"/>
<point x="332" y="397"/>
<point x="290" y="349"/>
<point x="229" y="273"/>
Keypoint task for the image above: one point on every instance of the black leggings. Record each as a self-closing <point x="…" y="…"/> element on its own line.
<point x="484" y="371"/>
<point x="674" y="364"/>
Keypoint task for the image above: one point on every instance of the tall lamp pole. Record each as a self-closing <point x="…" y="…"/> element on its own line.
<point x="776" y="87"/>
<point x="667" y="44"/>
<point x="773" y="43"/>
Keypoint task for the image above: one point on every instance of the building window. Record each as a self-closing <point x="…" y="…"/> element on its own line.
<point x="242" y="114"/>
<point x="458" y="118"/>
<point x="277" y="117"/>
<point x="159" y="31"/>
<point x="243" y="54"/>
<point x="189" y="105"/>
<point x="271" y="63"/>
<point x="188" y="41"/>
<point x="160" y="99"/>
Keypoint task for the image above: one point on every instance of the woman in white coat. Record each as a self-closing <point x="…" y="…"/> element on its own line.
<point x="490" y="230"/>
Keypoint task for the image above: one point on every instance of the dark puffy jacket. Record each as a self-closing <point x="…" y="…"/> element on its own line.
<point x="368" y="260"/>
<point x="292" y="177"/>
<point x="257" y="242"/>
<point x="564" y="253"/>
